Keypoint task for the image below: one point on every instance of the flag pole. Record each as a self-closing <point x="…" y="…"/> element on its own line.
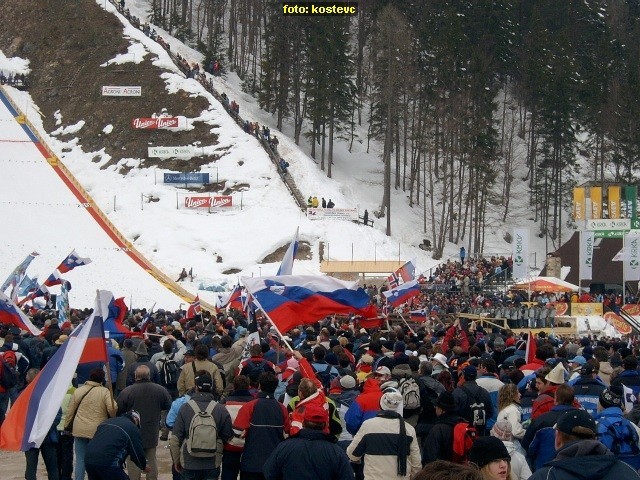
<point x="405" y="322"/>
<point x="106" y="357"/>
<point x="255" y="300"/>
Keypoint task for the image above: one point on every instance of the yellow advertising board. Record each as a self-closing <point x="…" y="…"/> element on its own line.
<point x="596" y="202"/>
<point x="586" y="309"/>
<point x="579" y="204"/>
<point x="614" y="202"/>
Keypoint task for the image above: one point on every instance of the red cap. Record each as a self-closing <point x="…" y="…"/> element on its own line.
<point x="316" y="413"/>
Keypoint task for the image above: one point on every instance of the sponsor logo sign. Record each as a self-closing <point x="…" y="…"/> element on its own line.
<point x="336" y="213"/>
<point x="191" y="177"/>
<point x="222" y="201"/>
<point x="168" y="152"/>
<point x="113" y="91"/>
<point x="586" y="309"/>
<point x="153" y="123"/>
<point x="615" y="224"/>
<point x="197" y="202"/>
<point x="617" y="322"/>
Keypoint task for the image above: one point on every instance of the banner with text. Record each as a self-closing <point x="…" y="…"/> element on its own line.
<point x="629" y="206"/>
<point x="154" y="123"/>
<point x="631" y="256"/>
<point x="336" y="213"/>
<point x="192" y="177"/>
<point x="208" y="202"/>
<point x="170" y="152"/>
<point x="586" y="309"/>
<point x="579" y="204"/>
<point x="520" y="252"/>
<point x="614" y="202"/>
<point x="586" y="255"/>
<point x="596" y="202"/>
<point x="113" y="91"/>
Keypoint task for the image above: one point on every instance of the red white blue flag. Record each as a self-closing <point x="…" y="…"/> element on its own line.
<point x="72" y="261"/>
<point x="292" y="300"/>
<point x="404" y="274"/>
<point x="397" y="296"/>
<point x="286" y="267"/>
<point x="194" y="308"/>
<point x="113" y="322"/>
<point x="10" y="314"/>
<point x="30" y="418"/>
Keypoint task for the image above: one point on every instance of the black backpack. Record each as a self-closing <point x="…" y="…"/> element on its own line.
<point x="253" y="370"/>
<point x="8" y="373"/>
<point x="169" y="372"/>
<point x="475" y="410"/>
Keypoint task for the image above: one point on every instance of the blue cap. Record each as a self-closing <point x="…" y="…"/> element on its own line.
<point x="579" y="359"/>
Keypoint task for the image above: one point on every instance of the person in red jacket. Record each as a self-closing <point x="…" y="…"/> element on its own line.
<point x="547" y="386"/>
<point x="457" y="333"/>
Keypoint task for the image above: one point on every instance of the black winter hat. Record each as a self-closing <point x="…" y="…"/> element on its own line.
<point x="486" y="450"/>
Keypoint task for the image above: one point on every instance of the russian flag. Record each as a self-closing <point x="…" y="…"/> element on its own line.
<point x="30" y="418"/>
<point x="397" y="296"/>
<point x="291" y="300"/>
<point x="117" y="312"/>
<point x="10" y="314"/>
<point x="72" y="261"/>
<point x="286" y="267"/>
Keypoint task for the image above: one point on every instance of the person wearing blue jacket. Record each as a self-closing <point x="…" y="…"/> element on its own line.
<point x="115" y="440"/>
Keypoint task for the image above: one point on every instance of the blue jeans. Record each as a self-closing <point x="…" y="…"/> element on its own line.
<point x="208" y="474"/>
<point x="49" y="455"/>
<point x="80" y="447"/>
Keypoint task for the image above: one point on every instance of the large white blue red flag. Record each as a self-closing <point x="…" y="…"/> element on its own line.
<point x="231" y="299"/>
<point x="404" y="274"/>
<point x="30" y="418"/>
<point x="10" y="314"/>
<point x="18" y="272"/>
<point x="291" y="300"/>
<point x="286" y="267"/>
<point x="397" y="296"/>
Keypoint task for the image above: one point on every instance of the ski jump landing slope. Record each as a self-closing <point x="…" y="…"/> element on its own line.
<point x="44" y="209"/>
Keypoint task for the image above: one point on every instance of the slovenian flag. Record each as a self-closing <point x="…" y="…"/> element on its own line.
<point x="418" y="316"/>
<point x="292" y="300"/>
<point x="286" y="267"/>
<point x="30" y="418"/>
<point x="113" y="322"/>
<point x="72" y="261"/>
<point x="10" y="314"/>
<point x="397" y="296"/>
<point x="231" y="299"/>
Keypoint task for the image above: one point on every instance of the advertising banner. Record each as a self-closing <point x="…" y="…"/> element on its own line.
<point x="630" y="208"/>
<point x="631" y="261"/>
<point x="191" y="177"/>
<point x="336" y="213"/>
<point x="614" y="202"/>
<point x="520" y="252"/>
<point x="208" y="202"/>
<point x="113" y="91"/>
<point x="596" y="202"/>
<point x="169" y="152"/>
<point x="579" y="210"/>
<point x="586" y="309"/>
<point x="586" y="255"/>
<point x="620" y="224"/>
<point x="198" y="202"/>
<point x="153" y="123"/>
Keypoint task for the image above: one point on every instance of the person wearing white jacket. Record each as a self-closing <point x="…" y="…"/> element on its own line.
<point x="509" y="409"/>
<point x="519" y="468"/>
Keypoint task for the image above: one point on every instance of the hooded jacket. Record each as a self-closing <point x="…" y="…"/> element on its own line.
<point x="439" y="443"/>
<point x="365" y="406"/>
<point x="585" y="460"/>
<point x="519" y="468"/>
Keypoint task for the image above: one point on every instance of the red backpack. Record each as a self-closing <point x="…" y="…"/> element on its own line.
<point x="8" y="371"/>
<point x="464" y="434"/>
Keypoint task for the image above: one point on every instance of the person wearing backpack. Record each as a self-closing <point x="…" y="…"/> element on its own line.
<point x="168" y="364"/>
<point x="579" y="455"/>
<point x="199" y="433"/>
<point x="325" y="372"/>
<point x="618" y="434"/>
<point x="472" y="401"/>
<point x="410" y="388"/>
<point x="438" y="444"/>
<point x="253" y="366"/>
<point x="398" y="456"/>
